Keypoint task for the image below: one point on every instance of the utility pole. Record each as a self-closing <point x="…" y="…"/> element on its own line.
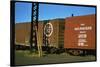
<point x="34" y="35"/>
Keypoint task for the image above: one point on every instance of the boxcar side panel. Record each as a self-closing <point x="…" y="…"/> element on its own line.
<point x="80" y="32"/>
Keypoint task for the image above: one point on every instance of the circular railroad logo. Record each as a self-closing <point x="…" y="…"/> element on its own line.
<point x="48" y="29"/>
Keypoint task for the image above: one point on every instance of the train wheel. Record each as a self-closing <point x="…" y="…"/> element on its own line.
<point x="53" y="50"/>
<point x="76" y="52"/>
<point x="84" y="53"/>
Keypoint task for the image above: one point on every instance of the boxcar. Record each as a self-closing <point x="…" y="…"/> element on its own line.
<point x="76" y="34"/>
<point x="79" y="34"/>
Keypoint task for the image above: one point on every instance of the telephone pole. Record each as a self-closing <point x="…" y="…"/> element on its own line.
<point x="34" y="35"/>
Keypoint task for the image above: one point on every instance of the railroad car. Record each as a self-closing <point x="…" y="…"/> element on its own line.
<point x="80" y="34"/>
<point x="75" y="35"/>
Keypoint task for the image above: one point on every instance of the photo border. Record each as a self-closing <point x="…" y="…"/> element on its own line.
<point x="12" y="31"/>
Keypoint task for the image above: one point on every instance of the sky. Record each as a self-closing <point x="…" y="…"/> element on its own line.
<point x="49" y="11"/>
